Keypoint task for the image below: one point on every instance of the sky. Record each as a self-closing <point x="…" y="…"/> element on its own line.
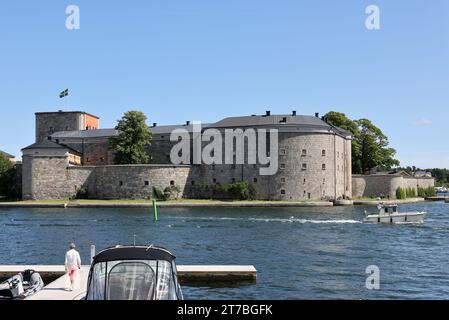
<point x="204" y="60"/>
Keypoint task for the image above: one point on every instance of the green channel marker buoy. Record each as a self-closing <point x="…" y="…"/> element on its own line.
<point x="155" y="210"/>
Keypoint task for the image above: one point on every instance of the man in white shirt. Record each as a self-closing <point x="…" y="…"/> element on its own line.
<point x="72" y="264"/>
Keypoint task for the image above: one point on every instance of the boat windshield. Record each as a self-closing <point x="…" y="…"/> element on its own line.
<point x="133" y="280"/>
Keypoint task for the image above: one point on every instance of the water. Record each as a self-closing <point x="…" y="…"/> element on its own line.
<point x="300" y="253"/>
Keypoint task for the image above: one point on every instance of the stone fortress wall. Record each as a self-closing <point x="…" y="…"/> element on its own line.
<point x="314" y="162"/>
<point x="376" y="185"/>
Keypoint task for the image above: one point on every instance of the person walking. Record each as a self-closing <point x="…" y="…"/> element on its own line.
<point x="72" y="265"/>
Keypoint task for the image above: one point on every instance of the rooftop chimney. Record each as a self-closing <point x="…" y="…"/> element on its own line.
<point x="187" y="123"/>
<point x="284" y="119"/>
<point x="267" y="113"/>
<point x="294" y="113"/>
<point x="317" y="114"/>
<point x="154" y="124"/>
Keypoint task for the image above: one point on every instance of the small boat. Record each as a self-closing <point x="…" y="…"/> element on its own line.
<point x="22" y="285"/>
<point x="390" y="214"/>
<point x="133" y="273"/>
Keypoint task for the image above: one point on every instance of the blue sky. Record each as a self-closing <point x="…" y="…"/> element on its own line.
<point x="204" y="60"/>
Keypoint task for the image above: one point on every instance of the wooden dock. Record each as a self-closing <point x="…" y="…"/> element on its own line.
<point x="187" y="274"/>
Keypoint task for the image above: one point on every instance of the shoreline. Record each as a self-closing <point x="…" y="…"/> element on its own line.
<point x="194" y="203"/>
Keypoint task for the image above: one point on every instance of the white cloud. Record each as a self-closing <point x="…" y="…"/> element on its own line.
<point x="423" y="122"/>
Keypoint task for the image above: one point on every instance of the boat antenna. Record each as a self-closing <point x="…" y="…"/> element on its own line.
<point x="134" y="240"/>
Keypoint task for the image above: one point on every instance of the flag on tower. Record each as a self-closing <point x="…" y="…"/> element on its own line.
<point x="64" y="93"/>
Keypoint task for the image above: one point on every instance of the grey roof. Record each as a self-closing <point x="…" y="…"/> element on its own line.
<point x="61" y="111"/>
<point x="170" y="128"/>
<point x="48" y="144"/>
<point x="307" y="123"/>
<point x="98" y="133"/>
<point x="312" y="122"/>
<point x="6" y="154"/>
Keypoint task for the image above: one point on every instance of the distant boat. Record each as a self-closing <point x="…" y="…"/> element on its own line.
<point x="441" y="190"/>
<point x="390" y="214"/>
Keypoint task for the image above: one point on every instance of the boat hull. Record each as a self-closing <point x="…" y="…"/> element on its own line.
<point x="412" y="217"/>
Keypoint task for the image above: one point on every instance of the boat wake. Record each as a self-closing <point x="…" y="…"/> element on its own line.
<point x="280" y="220"/>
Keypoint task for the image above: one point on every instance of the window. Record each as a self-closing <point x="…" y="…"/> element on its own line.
<point x="102" y="159"/>
<point x="147" y="183"/>
<point x="282" y="191"/>
<point x="87" y="160"/>
<point x="304" y="182"/>
<point x="323" y="153"/>
<point x="255" y="180"/>
<point x="51" y="129"/>
<point x="303" y="152"/>
<point x="213" y="167"/>
<point x="323" y="166"/>
<point x="282" y="152"/>
<point x="324" y="180"/>
<point x="193" y="183"/>
<point x="214" y="180"/>
<point x="304" y="193"/>
<point x="233" y="166"/>
<point x="233" y="180"/>
<point x="172" y="183"/>
<point x="282" y="180"/>
<point x="121" y="183"/>
<point x="304" y="166"/>
<point x="282" y="165"/>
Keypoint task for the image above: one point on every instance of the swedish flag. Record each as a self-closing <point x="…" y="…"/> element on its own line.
<point x="64" y="93"/>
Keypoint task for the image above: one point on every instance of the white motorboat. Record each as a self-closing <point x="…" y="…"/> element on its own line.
<point x="390" y="214"/>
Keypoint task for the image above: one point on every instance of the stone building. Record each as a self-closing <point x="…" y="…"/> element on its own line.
<point x="71" y="151"/>
<point x="385" y="184"/>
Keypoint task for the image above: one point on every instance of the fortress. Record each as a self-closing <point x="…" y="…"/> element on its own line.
<point x="72" y="152"/>
<point x="313" y="162"/>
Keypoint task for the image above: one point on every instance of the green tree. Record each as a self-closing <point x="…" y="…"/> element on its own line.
<point x="369" y="144"/>
<point x="7" y="173"/>
<point x="340" y="120"/>
<point x="374" y="147"/>
<point x="133" y="139"/>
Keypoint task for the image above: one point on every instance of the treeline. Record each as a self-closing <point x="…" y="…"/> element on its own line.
<point x="404" y="193"/>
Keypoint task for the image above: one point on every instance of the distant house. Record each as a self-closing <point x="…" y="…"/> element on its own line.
<point x="423" y="174"/>
<point x="9" y="156"/>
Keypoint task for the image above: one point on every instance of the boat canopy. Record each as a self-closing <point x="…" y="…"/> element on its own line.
<point x="133" y="273"/>
<point x="133" y="253"/>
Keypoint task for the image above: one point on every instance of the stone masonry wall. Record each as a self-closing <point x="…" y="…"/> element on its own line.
<point x="48" y="123"/>
<point x="385" y="184"/>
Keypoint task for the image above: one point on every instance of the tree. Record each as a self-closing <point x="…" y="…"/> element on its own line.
<point x="7" y="173"/>
<point x="134" y="136"/>
<point x="374" y="147"/>
<point x="340" y="120"/>
<point x="369" y="144"/>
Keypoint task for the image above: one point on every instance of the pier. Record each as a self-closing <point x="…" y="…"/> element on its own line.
<point x="187" y="274"/>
